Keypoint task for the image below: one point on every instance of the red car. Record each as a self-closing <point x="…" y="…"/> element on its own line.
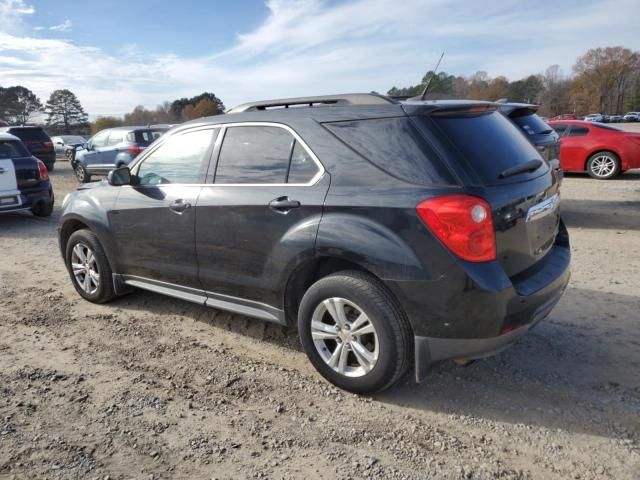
<point x="600" y="150"/>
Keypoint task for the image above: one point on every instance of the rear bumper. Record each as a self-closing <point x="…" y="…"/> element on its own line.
<point x="31" y="197"/>
<point x="430" y="350"/>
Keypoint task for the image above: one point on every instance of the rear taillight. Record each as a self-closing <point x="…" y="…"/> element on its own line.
<point x="135" y="150"/>
<point x="463" y="223"/>
<point x="47" y="144"/>
<point x="43" y="173"/>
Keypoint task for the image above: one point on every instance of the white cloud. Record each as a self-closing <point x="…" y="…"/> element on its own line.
<point x="308" y="47"/>
<point x="63" y="27"/>
<point x="12" y="14"/>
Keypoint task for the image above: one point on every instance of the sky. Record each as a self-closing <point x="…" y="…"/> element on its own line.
<point x="117" y="54"/>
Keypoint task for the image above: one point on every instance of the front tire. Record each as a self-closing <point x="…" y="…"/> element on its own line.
<point x="88" y="267"/>
<point x="603" y="165"/>
<point x="354" y="332"/>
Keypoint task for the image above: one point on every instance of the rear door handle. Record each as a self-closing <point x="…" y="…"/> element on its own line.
<point x="179" y="206"/>
<point x="283" y="204"/>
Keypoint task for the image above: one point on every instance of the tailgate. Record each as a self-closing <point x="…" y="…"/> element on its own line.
<point x="527" y="219"/>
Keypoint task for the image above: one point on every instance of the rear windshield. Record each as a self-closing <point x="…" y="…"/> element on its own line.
<point x="12" y="149"/>
<point x="395" y="146"/>
<point x="30" y="134"/>
<point x="489" y="144"/>
<point x="531" y="124"/>
<point x="145" y="137"/>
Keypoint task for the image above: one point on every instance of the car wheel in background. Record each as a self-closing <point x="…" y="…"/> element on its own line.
<point x="88" y="267"/>
<point x="354" y="333"/>
<point x="603" y="165"/>
<point x="81" y="173"/>
<point x="42" y="209"/>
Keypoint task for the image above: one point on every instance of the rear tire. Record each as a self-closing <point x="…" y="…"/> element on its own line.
<point x="88" y="267"/>
<point x="81" y="173"/>
<point x="42" y="209"/>
<point x="603" y="165"/>
<point x="365" y="363"/>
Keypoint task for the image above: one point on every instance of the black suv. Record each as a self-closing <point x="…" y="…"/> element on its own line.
<point x="388" y="232"/>
<point x="37" y="141"/>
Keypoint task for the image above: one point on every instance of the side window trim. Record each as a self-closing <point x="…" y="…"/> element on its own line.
<point x="297" y="139"/>
<point x="206" y="165"/>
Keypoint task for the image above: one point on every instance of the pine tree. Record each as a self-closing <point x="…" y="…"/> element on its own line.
<point x="65" y="113"/>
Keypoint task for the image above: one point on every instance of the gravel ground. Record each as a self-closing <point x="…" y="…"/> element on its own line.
<point x="151" y="387"/>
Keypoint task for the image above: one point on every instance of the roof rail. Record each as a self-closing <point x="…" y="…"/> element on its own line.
<point x="322" y="100"/>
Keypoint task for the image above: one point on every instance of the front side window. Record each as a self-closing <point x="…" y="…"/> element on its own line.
<point x="254" y="154"/>
<point x="115" y="138"/>
<point x="180" y="159"/>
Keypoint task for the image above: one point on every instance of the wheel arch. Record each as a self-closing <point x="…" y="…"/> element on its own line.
<point x="607" y="149"/>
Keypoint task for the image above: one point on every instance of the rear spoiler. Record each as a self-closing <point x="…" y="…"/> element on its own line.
<point x="448" y="108"/>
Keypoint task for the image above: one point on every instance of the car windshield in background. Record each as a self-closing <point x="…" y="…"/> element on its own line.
<point x="12" y="149"/>
<point x="146" y="137"/>
<point x="489" y="143"/>
<point x="532" y="124"/>
<point x="30" y="134"/>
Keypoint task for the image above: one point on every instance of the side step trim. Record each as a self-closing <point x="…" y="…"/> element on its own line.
<point x="228" y="303"/>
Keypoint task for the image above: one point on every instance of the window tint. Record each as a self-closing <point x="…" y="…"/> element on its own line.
<point x="30" y="134"/>
<point x="254" y="154"/>
<point x="489" y="143"/>
<point x="532" y="124"/>
<point x="12" y="149"/>
<point x="578" y="131"/>
<point x="145" y="137"/>
<point x="394" y="145"/>
<point x="560" y="128"/>
<point x="100" y="139"/>
<point x="180" y="159"/>
<point x="303" y="168"/>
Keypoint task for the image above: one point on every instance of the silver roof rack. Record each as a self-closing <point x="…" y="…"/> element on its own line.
<point x="322" y="100"/>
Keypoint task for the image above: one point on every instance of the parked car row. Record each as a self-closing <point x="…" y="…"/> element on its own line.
<point x="600" y="118"/>
<point x="37" y="142"/>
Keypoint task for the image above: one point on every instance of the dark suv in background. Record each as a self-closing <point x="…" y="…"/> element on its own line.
<point x="389" y="232"/>
<point x="37" y="141"/>
<point x="111" y="148"/>
<point x="539" y="133"/>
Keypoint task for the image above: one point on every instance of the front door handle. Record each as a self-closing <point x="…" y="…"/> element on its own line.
<point x="283" y="204"/>
<point x="179" y="206"/>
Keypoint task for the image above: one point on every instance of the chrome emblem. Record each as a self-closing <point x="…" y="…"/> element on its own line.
<point x="543" y="208"/>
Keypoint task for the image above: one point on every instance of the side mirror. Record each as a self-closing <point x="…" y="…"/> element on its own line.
<point x="59" y="143"/>
<point x="119" y="176"/>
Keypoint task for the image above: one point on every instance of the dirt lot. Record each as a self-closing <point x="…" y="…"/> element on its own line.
<point x="151" y="387"/>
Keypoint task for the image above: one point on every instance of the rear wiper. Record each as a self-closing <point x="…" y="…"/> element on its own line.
<point x="530" y="166"/>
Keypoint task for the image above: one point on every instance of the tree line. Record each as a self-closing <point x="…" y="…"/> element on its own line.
<point x="605" y="80"/>
<point x="64" y="114"/>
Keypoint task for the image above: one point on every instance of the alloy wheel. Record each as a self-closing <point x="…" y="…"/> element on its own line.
<point x="85" y="268"/>
<point x="344" y="337"/>
<point x="603" y="166"/>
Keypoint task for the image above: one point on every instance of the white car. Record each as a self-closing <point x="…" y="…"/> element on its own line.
<point x="594" y="117"/>
<point x="632" y="117"/>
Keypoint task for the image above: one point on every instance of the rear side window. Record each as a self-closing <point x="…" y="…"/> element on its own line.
<point x="12" y="149"/>
<point x="30" y="134"/>
<point x="395" y="146"/>
<point x="254" y="154"/>
<point x="489" y="143"/>
<point x="578" y="131"/>
<point x="560" y="128"/>
<point x="145" y="137"/>
<point x="531" y="124"/>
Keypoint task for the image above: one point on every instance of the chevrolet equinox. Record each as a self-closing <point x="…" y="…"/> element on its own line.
<point x="391" y="233"/>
